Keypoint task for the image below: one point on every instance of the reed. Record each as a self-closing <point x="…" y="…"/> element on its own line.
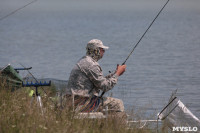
<point x="17" y="115"/>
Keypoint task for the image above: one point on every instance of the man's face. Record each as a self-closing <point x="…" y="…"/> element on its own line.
<point x="102" y="51"/>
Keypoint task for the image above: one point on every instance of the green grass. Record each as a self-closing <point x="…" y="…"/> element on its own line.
<point x="18" y="116"/>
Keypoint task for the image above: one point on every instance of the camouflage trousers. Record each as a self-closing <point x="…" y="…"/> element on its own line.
<point x="113" y="104"/>
<point x="86" y="104"/>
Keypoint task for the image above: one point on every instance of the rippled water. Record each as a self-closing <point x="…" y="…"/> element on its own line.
<point x="51" y="36"/>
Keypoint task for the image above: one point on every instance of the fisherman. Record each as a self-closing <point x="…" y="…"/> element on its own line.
<point x="86" y="81"/>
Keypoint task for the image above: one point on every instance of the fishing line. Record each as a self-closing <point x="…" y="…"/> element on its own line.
<point x="13" y="12"/>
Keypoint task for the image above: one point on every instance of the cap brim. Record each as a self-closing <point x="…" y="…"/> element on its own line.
<point x="105" y="47"/>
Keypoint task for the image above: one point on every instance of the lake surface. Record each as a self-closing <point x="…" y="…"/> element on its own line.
<point x="51" y="36"/>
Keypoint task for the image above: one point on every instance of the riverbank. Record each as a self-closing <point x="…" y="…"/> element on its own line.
<point x="18" y="115"/>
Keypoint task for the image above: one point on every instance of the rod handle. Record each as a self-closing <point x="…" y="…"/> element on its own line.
<point x="102" y="94"/>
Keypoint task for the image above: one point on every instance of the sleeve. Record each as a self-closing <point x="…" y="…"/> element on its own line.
<point x="110" y="74"/>
<point x="95" y="74"/>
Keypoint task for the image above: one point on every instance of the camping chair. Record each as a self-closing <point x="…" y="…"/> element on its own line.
<point x="87" y="107"/>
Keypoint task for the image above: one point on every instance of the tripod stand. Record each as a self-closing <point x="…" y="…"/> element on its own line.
<point x="37" y="94"/>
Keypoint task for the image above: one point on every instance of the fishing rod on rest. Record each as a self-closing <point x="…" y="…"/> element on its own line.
<point x="141" y="38"/>
<point x="38" y="82"/>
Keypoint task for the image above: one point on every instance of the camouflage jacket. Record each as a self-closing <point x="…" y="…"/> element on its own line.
<point x="87" y="78"/>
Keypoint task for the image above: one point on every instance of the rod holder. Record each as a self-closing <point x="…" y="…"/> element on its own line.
<point x="36" y="85"/>
<point x="20" y="69"/>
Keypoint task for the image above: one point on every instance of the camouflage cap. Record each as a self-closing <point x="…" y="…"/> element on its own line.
<point x="95" y="43"/>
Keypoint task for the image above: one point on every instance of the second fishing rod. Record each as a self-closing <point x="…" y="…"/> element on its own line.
<point x="141" y="38"/>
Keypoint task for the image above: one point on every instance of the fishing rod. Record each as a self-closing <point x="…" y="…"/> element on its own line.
<point x="141" y="38"/>
<point x="145" y="32"/>
<point x="37" y="82"/>
<point x="13" y="12"/>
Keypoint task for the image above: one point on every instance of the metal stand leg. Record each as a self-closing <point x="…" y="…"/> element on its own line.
<point x="39" y="101"/>
<point x="36" y="85"/>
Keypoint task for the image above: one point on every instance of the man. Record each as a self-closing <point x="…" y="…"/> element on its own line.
<point x="86" y="80"/>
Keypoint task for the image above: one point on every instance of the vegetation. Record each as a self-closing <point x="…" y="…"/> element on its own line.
<point x="17" y="115"/>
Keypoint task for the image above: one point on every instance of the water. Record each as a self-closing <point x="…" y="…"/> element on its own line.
<point x="51" y="36"/>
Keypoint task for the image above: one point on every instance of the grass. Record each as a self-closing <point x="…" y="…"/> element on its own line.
<point x="18" y="116"/>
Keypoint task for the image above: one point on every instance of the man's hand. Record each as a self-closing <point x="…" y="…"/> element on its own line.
<point x="120" y="69"/>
